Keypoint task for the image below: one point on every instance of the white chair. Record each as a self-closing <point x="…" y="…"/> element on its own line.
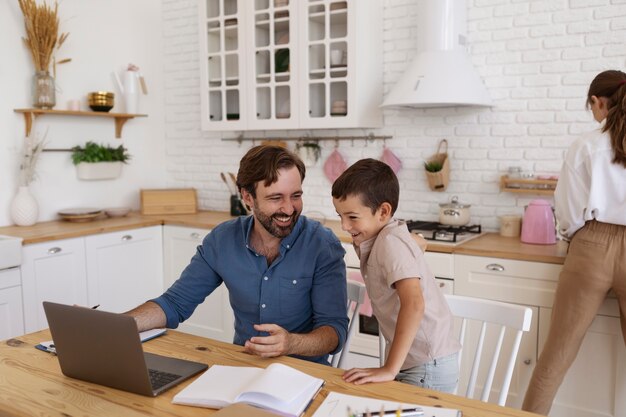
<point x="494" y="318"/>
<point x="356" y="296"/>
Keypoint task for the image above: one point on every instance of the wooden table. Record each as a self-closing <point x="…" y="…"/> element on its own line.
<point x="31" y="383"/>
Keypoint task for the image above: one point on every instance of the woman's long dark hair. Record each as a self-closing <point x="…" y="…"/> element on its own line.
<point x="612" y="85"/>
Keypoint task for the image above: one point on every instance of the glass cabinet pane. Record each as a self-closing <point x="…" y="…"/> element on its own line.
<point x="263" y="103"/>
<point x="232" y="104"/>
<point x="215" y="106"/>
<point x="212" y="8"/>
<point x="317" y="100"/>
<point x="230" y="7"/>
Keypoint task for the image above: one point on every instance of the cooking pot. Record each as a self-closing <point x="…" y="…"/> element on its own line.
<point x="454" y="213"/>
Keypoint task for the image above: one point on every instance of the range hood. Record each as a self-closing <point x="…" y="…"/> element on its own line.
<point x="441" y="74"/>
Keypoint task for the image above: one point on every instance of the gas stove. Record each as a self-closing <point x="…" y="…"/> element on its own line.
<point x="443" y="233"/>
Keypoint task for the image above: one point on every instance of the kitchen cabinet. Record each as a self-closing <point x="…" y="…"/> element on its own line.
<point x="284" y="64"/>
<point x="601" y="357"/>
<point x="11" y="308"/>
<point x="52" y="271"/>
<point x="595" y="385"/>
<point x="124" y="269"/>
<point x="213" y="318"/>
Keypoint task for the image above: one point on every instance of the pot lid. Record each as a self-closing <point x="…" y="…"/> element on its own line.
<point x="454" y="203"/>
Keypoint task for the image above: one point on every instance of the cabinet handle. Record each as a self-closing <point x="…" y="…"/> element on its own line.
<point x="195" y="235"/>
<point x="527" y="361"/>
<point x="126" y="238"/>
<point x="495" y="267"/>
<point x="54" y="250"/>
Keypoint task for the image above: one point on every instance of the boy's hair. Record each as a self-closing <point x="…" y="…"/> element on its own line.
<point x="371" y="180"/>
<point x="261" y="163"/>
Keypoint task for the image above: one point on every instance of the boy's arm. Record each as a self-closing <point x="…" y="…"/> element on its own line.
<point x="409" y="319"/>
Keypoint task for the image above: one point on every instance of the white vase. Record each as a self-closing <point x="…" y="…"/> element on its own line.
<point x="24" y="208"/>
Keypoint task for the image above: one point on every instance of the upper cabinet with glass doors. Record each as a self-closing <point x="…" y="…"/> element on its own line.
<point x="287" y="64"/>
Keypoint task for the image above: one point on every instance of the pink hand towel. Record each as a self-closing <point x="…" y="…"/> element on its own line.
<point x="334" y="166"/>
<point x="392" y="160"/>
<point x="366" y="307"/>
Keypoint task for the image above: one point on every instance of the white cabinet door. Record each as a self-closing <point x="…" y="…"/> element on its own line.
<point x="11" y="311"/>
<point x="52" y="271"/>
<point x="213" y="318"/>
<point x="124" y="269"/>
<point x="281" y="64"/>
<point x="595" y="384"/>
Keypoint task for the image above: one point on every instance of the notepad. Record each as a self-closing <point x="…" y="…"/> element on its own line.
<point x="335" y="405"/>
<point x="278" y="388"/>
<point x="48" y="346"/>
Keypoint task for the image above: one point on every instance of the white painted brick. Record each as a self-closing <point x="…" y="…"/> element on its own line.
<point x="535" y="117"/>
<point x="587" y="27"/>
<point x="525" y="142"/>
<point x="617" y="23"/>
<point x="568" y="16"/>
<point x="602" y="39"/>
<point x="536" y="19"/>
<point x="586" y="3"/>
<point x="580" y="53"/>
<point x="541" y="56"/>
<point x="521" y="69"/>
<point x="523" y="44"/>
<point x="509" y="130"/>
<point x="547" y="30"/>
<point x="553" y="105"/>
<point x="560" y="67"/>
<point x="563" y="42"/>
<point x="540" y="80"/>
<point x="508" y="153"/>
<point x="546" y="6"/>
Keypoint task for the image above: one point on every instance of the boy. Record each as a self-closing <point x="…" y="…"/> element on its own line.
<point x="412" y="313"/>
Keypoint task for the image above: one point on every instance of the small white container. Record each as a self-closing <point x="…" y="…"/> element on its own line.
<point x="98" y="170"/>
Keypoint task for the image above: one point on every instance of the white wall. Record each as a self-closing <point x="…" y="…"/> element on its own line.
<point x="536" y="57"/>
<point x="104" y="36"/>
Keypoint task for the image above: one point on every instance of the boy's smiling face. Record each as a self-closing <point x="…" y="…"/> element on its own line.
<point x="358" y="219"/>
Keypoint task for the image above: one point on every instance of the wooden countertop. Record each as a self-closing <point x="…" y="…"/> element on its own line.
<point x="490" y="244"/>
<point x="32" y="383"/>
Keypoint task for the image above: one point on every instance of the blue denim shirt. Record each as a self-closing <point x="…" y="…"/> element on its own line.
<point x="303" y="289"/>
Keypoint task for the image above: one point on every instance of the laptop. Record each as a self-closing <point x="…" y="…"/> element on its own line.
<point x="104" y="348"/>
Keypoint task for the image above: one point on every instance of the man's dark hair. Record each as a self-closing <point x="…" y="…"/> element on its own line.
<point x="262" y="163"/>
<point x="371" y="180"/>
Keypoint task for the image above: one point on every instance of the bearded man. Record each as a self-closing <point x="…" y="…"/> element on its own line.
<point x="285" y="273"/>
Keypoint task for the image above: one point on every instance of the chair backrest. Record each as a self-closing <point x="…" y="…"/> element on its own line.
<point x="493" y="318"/>
<point x="356" y="296"/>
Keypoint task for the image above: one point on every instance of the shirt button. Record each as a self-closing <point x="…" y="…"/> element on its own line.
<point x="294" y="282"/>
<point x="265" y="278"/>
<point x="262" y="305"/>
<point x="287" y="246"/>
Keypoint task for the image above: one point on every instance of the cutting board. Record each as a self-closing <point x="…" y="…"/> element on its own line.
<point x="169" y="201"/>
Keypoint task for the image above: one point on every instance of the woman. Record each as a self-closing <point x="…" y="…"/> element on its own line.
<point x="590" y="204"/>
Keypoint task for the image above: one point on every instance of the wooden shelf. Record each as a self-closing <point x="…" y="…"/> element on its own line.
<point x="120" y="118"/>
<point x="527" y="185"/>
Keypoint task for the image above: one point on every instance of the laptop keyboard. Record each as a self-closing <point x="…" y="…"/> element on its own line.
<point x="160" y="378"/>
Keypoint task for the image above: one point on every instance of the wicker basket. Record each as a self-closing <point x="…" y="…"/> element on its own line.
<point x="438" y="181"/>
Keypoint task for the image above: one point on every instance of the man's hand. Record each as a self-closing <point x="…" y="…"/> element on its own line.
<point x="361" y="376"/>
<point x="276" y="344"/>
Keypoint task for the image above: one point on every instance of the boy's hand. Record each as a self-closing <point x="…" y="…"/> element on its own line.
<point x="361" y="376"/>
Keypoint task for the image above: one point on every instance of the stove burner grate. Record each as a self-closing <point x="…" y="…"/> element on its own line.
<point x="441" y="232"/>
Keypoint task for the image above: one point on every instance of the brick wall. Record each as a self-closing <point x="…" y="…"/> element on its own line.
<point x="536" y="57"/>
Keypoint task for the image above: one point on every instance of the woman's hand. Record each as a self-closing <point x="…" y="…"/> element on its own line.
<point x="361" y="376"/>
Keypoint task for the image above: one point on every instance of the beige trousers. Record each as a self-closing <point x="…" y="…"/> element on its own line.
<point x="595" y="263"/>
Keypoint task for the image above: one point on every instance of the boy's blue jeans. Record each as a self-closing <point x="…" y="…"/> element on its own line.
<point x="441" y="374"/>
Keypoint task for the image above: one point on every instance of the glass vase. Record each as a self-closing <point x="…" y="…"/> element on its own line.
<point x="44" y="96"/>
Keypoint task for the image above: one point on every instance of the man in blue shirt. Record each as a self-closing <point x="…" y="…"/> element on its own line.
<point x="285" y="273"/>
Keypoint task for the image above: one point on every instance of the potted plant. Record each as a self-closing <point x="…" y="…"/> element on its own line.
<point x="437" y="168"/>
<point x="309" y="152"/>
<point x="99" y="162"/>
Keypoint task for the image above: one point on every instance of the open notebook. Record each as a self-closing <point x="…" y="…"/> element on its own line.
<point x="278" y="388"/>
<point x="335" y="405"/>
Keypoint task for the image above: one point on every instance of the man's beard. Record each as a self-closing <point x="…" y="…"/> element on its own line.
<point x="273" y="228"/>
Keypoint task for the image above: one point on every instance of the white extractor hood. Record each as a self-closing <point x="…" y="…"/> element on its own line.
<point x="441" y="74"/>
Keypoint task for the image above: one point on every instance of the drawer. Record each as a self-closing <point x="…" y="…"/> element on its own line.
<point x="441" y="264"/>
<point x="523" y="282"/>
<point x="10" y="278"/>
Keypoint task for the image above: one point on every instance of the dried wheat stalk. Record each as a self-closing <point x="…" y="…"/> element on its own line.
<point x="42" y="32"/>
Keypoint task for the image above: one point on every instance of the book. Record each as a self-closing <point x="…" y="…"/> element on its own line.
<point x="278" y="388"/>
<point x="243" y="410"/>
<point x="335" y="405"/>
<point x="48" y="346"/>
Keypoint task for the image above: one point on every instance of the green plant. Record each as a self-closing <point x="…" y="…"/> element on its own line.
<point x="92" y="152"/>
<point x="433" y="166"/>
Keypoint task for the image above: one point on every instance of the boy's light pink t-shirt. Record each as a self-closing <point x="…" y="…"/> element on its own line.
<point x="389" y="257"/>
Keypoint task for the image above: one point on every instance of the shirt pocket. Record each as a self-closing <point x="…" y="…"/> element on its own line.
<point x="295" y="294"/>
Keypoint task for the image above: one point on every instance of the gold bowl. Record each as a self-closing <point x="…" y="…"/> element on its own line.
<point x="101" y="100"/>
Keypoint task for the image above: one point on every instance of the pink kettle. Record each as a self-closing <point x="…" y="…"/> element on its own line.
<point x="538" y="225"/>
